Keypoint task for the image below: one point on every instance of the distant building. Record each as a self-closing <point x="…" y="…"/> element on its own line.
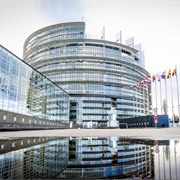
<point x="27" y="98"/>
<point x="96" y="73"/>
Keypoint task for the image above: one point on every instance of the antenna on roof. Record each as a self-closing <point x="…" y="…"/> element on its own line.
<point x="118" y="37"/>
<point x="103" y="33"/>
<point x="82" y="18"/>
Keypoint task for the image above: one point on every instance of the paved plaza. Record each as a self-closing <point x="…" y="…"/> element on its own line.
<point x="147" y="133"/>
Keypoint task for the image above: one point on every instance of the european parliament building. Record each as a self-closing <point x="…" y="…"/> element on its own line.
<point x="27" y="98"/>
<point x="96" y="73"/>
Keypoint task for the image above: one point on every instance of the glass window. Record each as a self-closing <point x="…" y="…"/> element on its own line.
<point x="2" y="146"/>
<point x="4" y="117"/>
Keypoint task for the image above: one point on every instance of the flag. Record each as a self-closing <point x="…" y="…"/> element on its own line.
<point x="137" y="84"/>
<point x="149" y="79"/>
<point x="153" y="78"/>
<point x="169" y="74"/>
<point x="158" y="77"/>
<point x="145" y="81"/>
<point x="163" y="75"/>
<point x="134" y="86"/>
<point x="174" y="72"/>
<point x="142" y="83"/>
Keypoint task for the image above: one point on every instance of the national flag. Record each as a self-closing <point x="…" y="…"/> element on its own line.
<point x="163" y="75"/>
<point x="142" y="83"/>
<point x="158" y="77"/>
<point x="149" y="79"/>
<point x="134" y="86"/>
<point x="145" y="81"/>
<point x="153" y="78"/>
<point x="169" y="74"/>
<point x="137" y="84"/>
<point x="174" y="72"/>
<point x="131" y="86"/>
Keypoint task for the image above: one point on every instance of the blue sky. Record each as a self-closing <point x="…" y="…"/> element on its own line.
<point x="153" y="23"/>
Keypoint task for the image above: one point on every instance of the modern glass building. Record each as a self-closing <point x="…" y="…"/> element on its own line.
<point x="25" y="91"/>
<point x="96" y="73"/>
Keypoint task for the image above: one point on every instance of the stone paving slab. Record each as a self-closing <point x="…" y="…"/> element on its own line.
<point x="148" y="133"/>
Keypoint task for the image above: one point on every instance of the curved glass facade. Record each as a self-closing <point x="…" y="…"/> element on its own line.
<point x="96" y="73"/>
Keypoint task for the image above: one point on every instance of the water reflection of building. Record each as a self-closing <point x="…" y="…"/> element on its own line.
<point x="81" y="158"/>
<point x="108" y="158"/>
<point x="88" y="157"/>
<point x="33" y="158"/>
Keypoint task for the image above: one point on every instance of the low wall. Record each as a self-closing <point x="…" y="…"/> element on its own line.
<point x="15" y="121"/>
<point x="144" y="121"/>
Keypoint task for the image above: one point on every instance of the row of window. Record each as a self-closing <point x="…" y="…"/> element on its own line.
<point x="29" y="121"/>
<point x="29" y="141"/>
<point x="58" y="33"/>
<point x="44" y="55"/>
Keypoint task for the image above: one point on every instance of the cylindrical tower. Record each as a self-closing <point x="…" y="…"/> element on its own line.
<point x="96" y="73"/>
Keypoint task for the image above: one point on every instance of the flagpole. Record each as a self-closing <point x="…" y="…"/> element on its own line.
<point x="152" y="103"/>
<point x="141" y="106"/>
<point x="147" y="92"/>
<point x="144" y="103"/>
<point x="160" y="94"/>
<point x="156" y="94"/>
<point x="172" y="101"/>
<point x="177" y="93"/>
<point x="166" y="96"/>
<point x="136" y="104"/>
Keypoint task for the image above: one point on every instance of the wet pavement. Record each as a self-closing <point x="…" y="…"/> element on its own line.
<point x="149" y="133"/>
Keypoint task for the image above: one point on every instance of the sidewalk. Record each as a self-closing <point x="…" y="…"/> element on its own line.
<point x="148" y="133"/>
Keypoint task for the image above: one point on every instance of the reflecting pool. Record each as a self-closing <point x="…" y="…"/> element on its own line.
<point x="89" y="158"/>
